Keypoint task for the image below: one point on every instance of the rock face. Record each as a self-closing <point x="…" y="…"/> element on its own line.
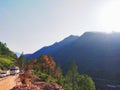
<point x="39" y="86"/>
<point x="24" y="87"/>
<point x="48" y="86"/>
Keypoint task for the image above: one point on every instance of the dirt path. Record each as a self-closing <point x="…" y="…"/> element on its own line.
<point x="8" y="82"/>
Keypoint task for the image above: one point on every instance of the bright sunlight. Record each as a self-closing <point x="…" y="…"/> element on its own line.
<point x="110" y="16"/>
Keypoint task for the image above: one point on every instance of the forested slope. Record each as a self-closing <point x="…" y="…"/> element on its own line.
<point x="7" y="57"/>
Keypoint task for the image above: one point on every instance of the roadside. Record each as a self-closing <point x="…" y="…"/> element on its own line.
<point x="8" y="83"/>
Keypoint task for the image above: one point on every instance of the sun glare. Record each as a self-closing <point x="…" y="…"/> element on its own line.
<point x="111" y="31"/>
<point x="108" y="31"/>
<point x="110" y="16"/>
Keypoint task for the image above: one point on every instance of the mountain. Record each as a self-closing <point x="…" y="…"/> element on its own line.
<point x="97" y="54"/>
<point x="53" y="48"/>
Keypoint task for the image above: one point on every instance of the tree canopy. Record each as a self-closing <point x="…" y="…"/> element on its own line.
<point x="5" y="51"/>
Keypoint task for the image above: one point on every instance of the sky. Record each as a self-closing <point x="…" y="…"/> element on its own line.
<point x="28" y="25"/>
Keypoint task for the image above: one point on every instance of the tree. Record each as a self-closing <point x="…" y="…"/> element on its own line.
<point x="47" y="64"/>
<point x="75" y="81"/>
<point x="27" y="77"/>
<point x="44" y="68"/>
<point x="72" y="76"/>
<point x="58" y="72"/>
<point x="86" y="83"/>
<point x="7" y="57"/>
<point x="5" y="51"/>
<point x="20" y="62"/>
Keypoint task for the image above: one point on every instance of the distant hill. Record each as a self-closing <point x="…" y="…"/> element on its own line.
<point x="97" y="54"/>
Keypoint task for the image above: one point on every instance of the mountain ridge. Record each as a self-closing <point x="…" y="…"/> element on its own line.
<point x="97" y="54"/>
<point x="49" y="49"/>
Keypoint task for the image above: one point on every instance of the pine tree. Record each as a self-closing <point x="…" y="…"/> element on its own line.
<point x="75" y="81"/>
<point x="86" y="83"/>
<point x="72" y="76"/>
<point x="20" y="62"/>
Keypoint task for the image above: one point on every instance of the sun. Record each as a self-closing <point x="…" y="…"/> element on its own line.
<point x="108" y="31"/>
<point x="110" y="16"/>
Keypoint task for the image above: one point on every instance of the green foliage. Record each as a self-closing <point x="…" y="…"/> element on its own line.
<point x="5" y="51"/>
<point x="61" y="81"/>
<point x="42" y="76"/>
<point x="86" y="82"/>
<point x="7" y="57"/>
<point x="45" y="64"/>
<point x="72" y="77"/>
<point x="71" y="81"/>
<point x="75" y="81"/>
<point x="45" y="68"/>
<point x="45" y="77"/>
<point x="5" y="63"/>
<point x="20" y="61"/>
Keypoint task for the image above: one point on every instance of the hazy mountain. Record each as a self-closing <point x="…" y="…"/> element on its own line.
<point x="53" y="48"/>
<point x="97" y="54"/>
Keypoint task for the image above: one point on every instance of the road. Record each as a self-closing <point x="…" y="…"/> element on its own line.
<point x="8" y="82"/>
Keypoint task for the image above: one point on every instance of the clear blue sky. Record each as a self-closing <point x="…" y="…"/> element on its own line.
<point x="27" y="25"/>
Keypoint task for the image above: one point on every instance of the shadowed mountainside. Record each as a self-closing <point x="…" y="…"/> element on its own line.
<point x="97" y="54"/>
